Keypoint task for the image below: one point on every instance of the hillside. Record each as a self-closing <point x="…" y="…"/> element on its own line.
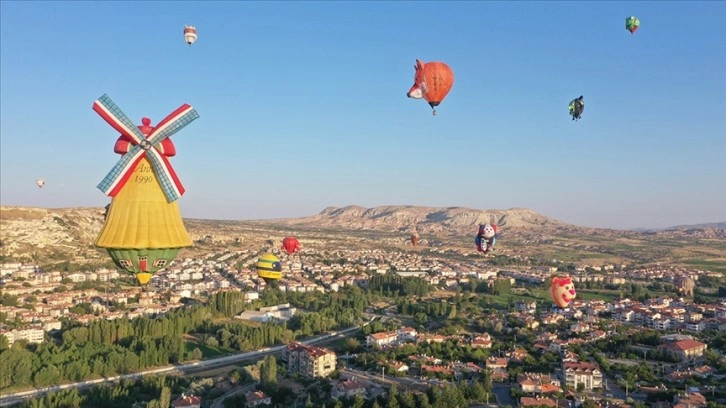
<point x="57" y="235"/>
<point x="455" y="220"/>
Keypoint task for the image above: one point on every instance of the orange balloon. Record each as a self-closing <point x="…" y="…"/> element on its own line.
<point x="432" y="82"/>
<point x="562" y="290"/>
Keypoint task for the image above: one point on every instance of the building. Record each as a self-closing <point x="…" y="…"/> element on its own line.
<point x="309" y="361"/>
<point x="349" y="388"/>
<point x="257" y="398"/>
<point x="190" y="401"/>
<point x="29" y="334"/>
<point x="382" y="339"/>
<point x="587" y="374"/>
<point x="685" y="349"/>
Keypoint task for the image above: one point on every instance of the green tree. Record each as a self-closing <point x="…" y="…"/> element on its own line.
<point x="268" y="370"/>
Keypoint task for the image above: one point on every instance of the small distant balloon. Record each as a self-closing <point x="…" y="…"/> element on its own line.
<point x="576" y="107"/>
<point x="291" y="245"/>
<point x="40" y="183"/>
<point x="190" y="34"/>
<point x="631" y="24"/>
<point x="415" y="238"/>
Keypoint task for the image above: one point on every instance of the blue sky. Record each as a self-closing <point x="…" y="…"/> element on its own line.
<point x="303" y="105"/>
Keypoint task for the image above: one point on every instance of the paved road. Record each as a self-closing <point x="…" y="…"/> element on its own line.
<point x="403" y="383"/>
<point x="501" y="391"/>
<point x="14" y="398"/>
<point x="246" y="388"/>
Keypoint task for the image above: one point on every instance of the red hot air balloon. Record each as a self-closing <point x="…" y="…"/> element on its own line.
<point x="290" y="245"/>
<point x="431" y="82"/>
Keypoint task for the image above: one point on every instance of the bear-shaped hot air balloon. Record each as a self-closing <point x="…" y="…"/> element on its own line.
<point x="685" y="285"/>
<point x="290" y="245"/>
<point x="415" y="238"/>
<point x="432" y="81"/>
<point x="269" y="267"/>
<point x="486" y="238"/>
<point x="562" y="290"/>
<point x="143" y="228"/>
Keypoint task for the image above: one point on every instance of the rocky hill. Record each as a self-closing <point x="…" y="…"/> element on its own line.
<point x="56" y="235"/>
<point x="426" y="219"/>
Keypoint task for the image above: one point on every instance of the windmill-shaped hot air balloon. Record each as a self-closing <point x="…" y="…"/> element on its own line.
<point x="143" y="231"/>
<point x="190" y="34"/>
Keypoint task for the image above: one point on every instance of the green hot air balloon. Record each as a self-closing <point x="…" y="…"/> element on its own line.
<point x="631" y="24"/>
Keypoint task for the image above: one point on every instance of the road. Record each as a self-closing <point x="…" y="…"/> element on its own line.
<point x="501" y="391"/>
<point x="246" y="388"/>
<point x="403" y="383"/>
<point x="14" y="398"/>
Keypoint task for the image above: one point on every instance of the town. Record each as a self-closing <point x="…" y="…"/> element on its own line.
<point x="628" y="339"/>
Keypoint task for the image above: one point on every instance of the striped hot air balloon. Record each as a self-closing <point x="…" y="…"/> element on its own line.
<point x="190" y="34"/>
<point x="269" y="267"/>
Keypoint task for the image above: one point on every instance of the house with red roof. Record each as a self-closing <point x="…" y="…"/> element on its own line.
<point x="187" y="401"/>
<point x="685" y="349"/>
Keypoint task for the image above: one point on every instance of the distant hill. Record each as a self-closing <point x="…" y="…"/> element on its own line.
<point x="68" y="233"/>
<point x="425" y="219"/>
<point x="711" y="225"/>
<point x="687" y="227"/>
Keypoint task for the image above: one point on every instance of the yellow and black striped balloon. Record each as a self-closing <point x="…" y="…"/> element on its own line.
<point x="269" y="267"/>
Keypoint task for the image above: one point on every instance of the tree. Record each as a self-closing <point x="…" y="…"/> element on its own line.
<point x="268" y="370"/>
<point x="165" y="397"/>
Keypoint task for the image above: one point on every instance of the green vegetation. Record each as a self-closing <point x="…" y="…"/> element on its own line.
<point x="714" y="266"/>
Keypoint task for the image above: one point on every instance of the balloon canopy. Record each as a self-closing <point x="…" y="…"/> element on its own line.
<point x="632" y="23"/>
<point x="190" y="34"/>
<point x="432" y="81"/>
<point x="290" y="245"/>
<point x="40" y="183"/>
<point x="269" y="267"/>
<point x="562" y="291"/>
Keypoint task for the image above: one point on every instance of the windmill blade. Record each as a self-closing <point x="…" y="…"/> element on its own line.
<point x="173" y="123"/>
<point x="112" y="114"/>
<point x="120" y="172"/>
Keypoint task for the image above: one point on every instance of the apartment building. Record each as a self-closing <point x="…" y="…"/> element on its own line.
<point x="587" y="374"/>
<point x="309" y="361"/>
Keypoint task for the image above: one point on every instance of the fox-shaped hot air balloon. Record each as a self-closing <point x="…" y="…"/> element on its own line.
<point x="431" y="82"/>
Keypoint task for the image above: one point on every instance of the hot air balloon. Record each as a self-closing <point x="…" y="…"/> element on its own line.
<point x="685" y="285"/>
<point x="432" y="81"/>
<point x="190" y="34"/>
<point x="414" y="238"/>
<point x="576" y="107"/>
<point x="486" y="238"/>
<point x="143" y="231"/>
<point x="562" y="291"/>
<point x="40" y="183"/>
<point x="290" y="245"/>
<point x="269" y="267"/>
<point x="631" y="24"/>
